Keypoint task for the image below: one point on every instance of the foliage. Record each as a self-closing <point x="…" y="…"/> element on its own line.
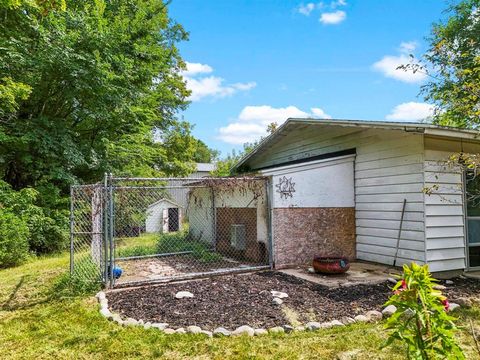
<point x="421" y="321"/>
<point x="46" y="227"/>
<point x="77" y="284"/>
<point x="453" y="65"/>
<point x="86" y="87"/>
<point x="204" y="154"/>
<point x="13" y="239"/>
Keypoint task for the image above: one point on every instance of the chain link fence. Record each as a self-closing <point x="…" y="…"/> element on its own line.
<point x="139" y="230"/>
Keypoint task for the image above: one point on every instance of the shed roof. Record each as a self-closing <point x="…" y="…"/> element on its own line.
<point x="163" y="200"/>
<point x="424" y="128"/>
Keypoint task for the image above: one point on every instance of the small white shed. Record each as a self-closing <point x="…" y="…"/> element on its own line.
<point x="163" y="216"/>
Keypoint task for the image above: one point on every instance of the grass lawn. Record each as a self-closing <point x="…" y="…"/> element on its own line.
<point x="42" y="317"/>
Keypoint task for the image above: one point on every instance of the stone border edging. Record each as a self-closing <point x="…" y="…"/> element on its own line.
<point x="370" y="316"/>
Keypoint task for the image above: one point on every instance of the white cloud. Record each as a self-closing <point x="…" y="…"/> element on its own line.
<point x="210" y="86"/>
<point x="306" y="9"/>
<point x="408" y="47"/>
<point x="252" y="122"/>
<point x="337" y="3"/>
<point x="411" y="111"/>
<point x="196" y="68"/>
<point x="389" y="64"/>
<point x="333" y="18"/>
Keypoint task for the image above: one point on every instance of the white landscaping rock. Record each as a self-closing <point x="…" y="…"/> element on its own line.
<point x="160" y="326"/>
<point x="361" y="318"/>
<point x="453" y="306"/>
<point x="439" y="287"/>
<point x="105" y="312"/>
<point x="130" y="322"/>
<point x="392" y="280"/>
<point x="206" y="332"/>
<point x="336" y="323"/>
<point x="260" y="332"/>
<point x="220" y="331"/>
<point x="346" y="320"/>
<point x="300" y="328"/>
<point x="180" y="331"/>
<point x="147" y="325"/>
<point x="326" y="325"/>
<point x="389" y="310"/>
<point x="101" y="296"/>
<point x="277" y="301"/>
<point x="449" y="282"/>
<point x="311" y="270"/>
<point x="183" y="294"/>
<point x="374" y="315"/>
<point x="169" y="331"/>
<point x="276" y="329"/>
<point x="244" y="329"/>
<point x="192" y="329"/>
<point x="288" y="328"/>
<point x="313" y="325"/>
<point x="116" y="318"/>
<point x="279" y="294"/>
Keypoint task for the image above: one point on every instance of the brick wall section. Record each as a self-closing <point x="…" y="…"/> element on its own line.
<point x="301" y="233"/>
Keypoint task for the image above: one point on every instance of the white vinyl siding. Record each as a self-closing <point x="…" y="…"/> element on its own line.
<point x="444" y="211"/>
<point x="388" y="169"/>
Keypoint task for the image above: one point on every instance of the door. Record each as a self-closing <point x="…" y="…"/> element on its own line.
<point x="173" y="223"/>
<point x="473" y="221"/>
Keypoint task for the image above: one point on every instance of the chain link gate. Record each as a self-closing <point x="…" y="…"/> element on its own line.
<point x="142" y="230"/>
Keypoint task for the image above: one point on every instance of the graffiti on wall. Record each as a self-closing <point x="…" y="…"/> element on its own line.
<point x="285" y="187"/>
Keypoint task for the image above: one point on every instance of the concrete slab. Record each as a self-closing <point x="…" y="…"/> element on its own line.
<point x="472" y="274"/>
<point x="359" y="273"/>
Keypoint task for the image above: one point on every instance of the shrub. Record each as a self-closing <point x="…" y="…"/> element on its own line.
<point x="47" y="228"/>
<point x="13" y="239"/>
<point x="422" y="321"/>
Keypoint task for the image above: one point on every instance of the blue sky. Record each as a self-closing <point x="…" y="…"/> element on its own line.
<point x="254" y="62"/>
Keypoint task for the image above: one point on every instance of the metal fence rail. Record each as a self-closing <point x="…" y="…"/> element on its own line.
<point x="141" y="230"/>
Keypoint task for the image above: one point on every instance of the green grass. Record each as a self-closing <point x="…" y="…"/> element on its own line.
<point x="145" y="244"/>
<point x="43" y="316"/>
<point x="150" y="244"/>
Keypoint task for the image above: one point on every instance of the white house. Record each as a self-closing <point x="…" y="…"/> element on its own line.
<point x="163" y="216"/>
<point x="338" y="187"/>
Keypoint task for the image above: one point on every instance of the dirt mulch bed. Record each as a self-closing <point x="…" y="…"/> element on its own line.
<point x="232" y="301"/>
<point x="235" y="300"/>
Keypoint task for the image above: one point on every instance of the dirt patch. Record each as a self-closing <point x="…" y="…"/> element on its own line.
<point x="157" y="268"/>
<point x="236" y="300"/>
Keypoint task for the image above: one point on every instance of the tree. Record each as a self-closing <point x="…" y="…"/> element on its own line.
<point x="453" y="65"/>
<point x="204" y="154"/>
<point x="87" y="87"/>
<point x="87" y="83"/>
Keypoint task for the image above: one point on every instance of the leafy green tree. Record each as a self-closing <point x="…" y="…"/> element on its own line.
<point x="204" y="154"/>
<point x="88" y="83"/>
<point x="453" y="65"/>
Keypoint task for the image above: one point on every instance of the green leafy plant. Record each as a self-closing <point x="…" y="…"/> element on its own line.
<point x="422" y="321"/>
<point x="13" y="239"/>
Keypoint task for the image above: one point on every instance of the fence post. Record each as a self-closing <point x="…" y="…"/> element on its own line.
<point x="72" y="248"/>
<point x="111" y="230"/>
<point x="105" y="231"/>
<point x="214" y="214"/>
